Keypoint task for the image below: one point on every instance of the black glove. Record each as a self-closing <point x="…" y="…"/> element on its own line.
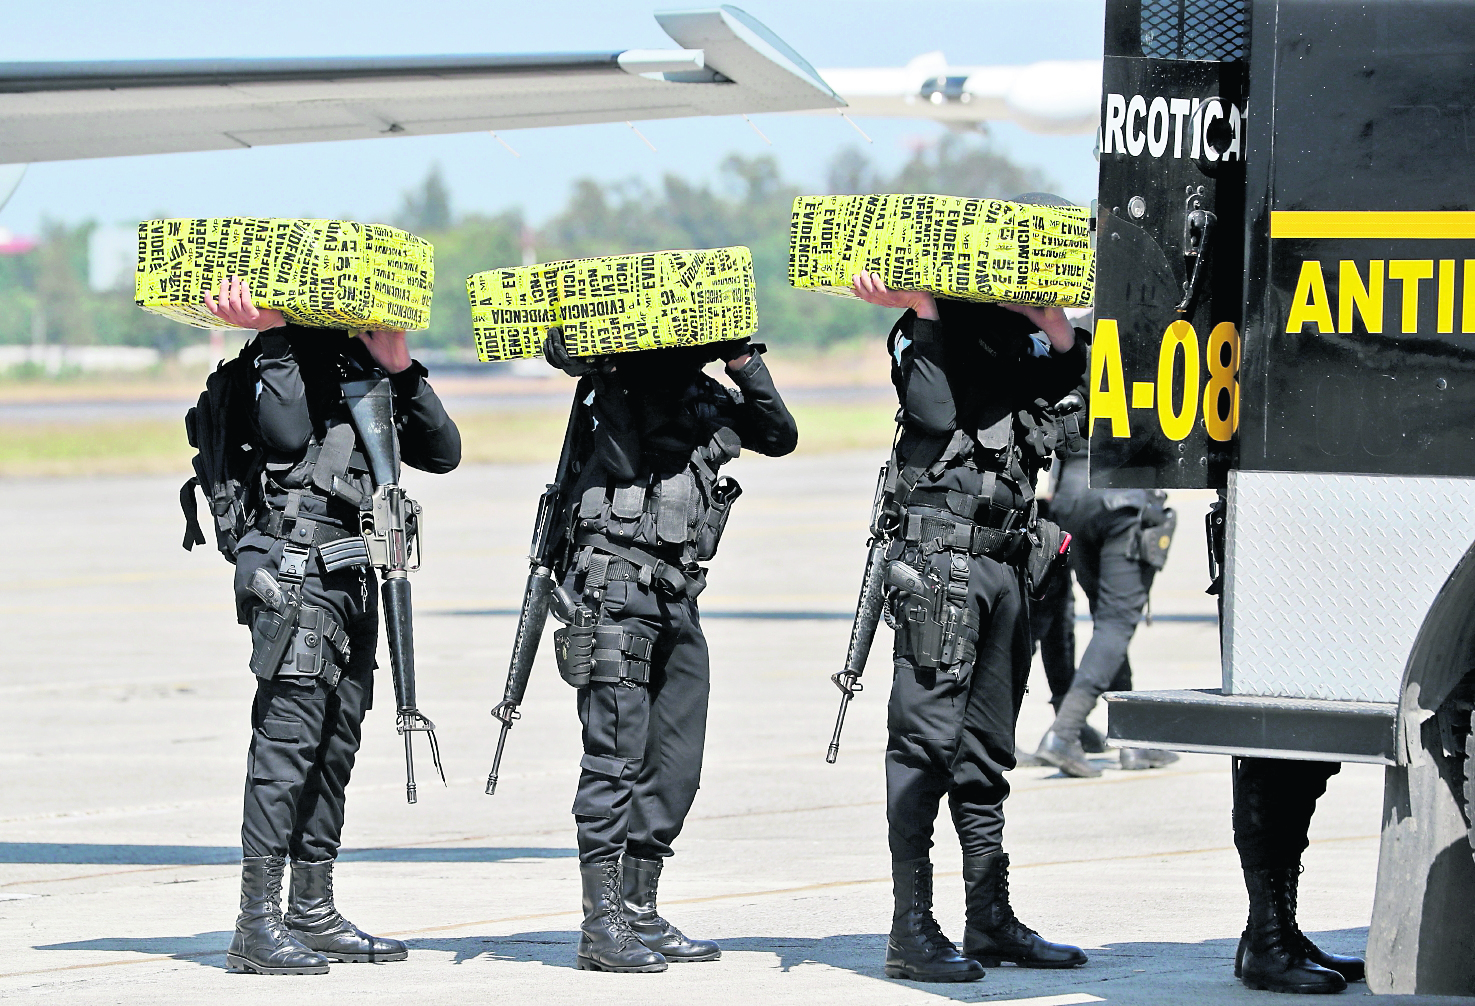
<point x="732" y="349"/>
<point x="555" y="351"/>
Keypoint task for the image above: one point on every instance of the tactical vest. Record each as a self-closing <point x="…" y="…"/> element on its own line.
<point x="685" y="511"/>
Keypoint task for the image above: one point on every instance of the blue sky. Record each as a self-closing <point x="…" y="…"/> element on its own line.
<point x="364" y="179"/>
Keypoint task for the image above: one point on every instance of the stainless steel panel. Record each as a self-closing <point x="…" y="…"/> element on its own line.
<point x="1330" y="576"/>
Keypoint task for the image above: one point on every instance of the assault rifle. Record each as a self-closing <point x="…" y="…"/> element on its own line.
<point x="545" y="561"/>
<point x="867" y="607"/>
<point x="391" y="532"/>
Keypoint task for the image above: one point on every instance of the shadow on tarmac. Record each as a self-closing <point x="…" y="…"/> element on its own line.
<point x="194" y="948"/>
<point x="223" y="855"/>
<point x="864" y="954"/>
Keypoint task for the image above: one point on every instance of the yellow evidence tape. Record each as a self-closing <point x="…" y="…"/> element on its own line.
<point x="320" y="273"/>
<point x="615" y="303"/>
<point x="985" y="250"/>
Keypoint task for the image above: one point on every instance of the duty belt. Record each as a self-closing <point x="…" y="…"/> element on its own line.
<point x="303" y="529"/>
<point x="650" y="570"/>
<point x="337" y="546"/>
<point x="936" y="534"/>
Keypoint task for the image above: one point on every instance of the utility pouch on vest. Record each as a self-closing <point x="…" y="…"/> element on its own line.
<point x="573" y="648"/>
<point x="709" y="535"/>
<point x="1049" y="551"/>
<point x="674" y="508"/>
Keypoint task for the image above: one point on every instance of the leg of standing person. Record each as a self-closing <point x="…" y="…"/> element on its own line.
<point x="615" y="714"/>
<point x="312" y="913"/>
<point x="978" y="785"/>
<point x="667" y="781"/>
<point x="924" y="722"/>
<point x="1117" y="587"/>
<point x="1273" y="803"/>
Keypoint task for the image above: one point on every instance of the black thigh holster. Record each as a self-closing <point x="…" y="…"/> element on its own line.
<point x="934" y="626"/>
<point x="318" y="647"/>
<point x="601" y="654"/>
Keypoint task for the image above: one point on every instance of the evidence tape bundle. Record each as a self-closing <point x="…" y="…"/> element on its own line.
<point x="615" y="303"/>
<point x="324" y="273"/>
<point x="965" y="249"/>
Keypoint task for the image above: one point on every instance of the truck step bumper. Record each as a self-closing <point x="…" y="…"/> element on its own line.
<point x="1253" y="726"/>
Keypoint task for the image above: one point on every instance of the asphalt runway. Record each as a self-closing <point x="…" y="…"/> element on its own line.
<point x="127" y="697"/>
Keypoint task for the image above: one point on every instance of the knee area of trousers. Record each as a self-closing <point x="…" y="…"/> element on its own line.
<point x="280" y="751"/>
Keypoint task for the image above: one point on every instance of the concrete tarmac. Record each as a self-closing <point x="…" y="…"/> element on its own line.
<point x="127" y="694"/>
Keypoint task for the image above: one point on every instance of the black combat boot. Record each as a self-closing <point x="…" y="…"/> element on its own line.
<point x="917" y="949"/>
<point x="993" y="933"/>
<point x="262" y="943"/>
<point x="317" y="924"/>
<point x="1273" y="954"/>
<point x="1352" y="969"/>
<point x="608" y="943"/>
<point x="641" y="878"/>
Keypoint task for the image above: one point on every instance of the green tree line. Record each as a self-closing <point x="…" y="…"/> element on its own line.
<point x="747" y="203"/>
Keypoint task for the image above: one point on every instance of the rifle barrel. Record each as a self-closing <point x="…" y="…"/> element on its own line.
<point x="410" y="789"/>
<point x="834" y="751"/>
<point x="497" y="760"/>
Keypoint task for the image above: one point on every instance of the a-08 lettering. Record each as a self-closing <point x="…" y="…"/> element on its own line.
<point x="1177" y="412"/>
<point x="1157" y="124"/>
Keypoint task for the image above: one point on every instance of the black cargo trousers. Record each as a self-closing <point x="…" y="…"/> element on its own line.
<point x="305" y="733"/>
<point x="643" y="743"/>
<point x="953" y="734"/>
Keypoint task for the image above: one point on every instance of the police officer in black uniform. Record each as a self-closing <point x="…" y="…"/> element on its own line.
<point x="970" y="378"/>
<point x="646" y="505"/>
<point x="308" y="714"/>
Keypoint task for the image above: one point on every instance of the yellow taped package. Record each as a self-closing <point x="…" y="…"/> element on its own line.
<point x="965" y="249"/>
<point x="615" y="303"/>
<point x="322" y="273"/>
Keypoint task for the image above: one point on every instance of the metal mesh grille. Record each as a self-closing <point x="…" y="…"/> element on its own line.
<point x="1194" y="29"/>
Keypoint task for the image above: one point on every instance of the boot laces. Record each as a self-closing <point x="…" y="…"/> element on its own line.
<point x="927" y="923"/>
<point x="1003" y="910"/>
<point x="614" y="910"/>
<point x="1295" y="940"/>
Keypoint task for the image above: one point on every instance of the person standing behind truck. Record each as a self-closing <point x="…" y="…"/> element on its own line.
<point x="1119" y="540"/>
<point x="968" y="376"/>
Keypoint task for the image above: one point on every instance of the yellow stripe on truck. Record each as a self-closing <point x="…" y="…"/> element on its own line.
<point x="1446" y="225"/>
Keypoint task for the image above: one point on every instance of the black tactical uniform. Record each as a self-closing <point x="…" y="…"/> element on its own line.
<point x="647" y="505"/>
<point x="307" y="717"/>
<point x="1109" y="561"/>
<point x="968" y="386"/>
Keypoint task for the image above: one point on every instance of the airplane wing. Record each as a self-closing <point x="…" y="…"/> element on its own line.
<point x="727" y="63"/>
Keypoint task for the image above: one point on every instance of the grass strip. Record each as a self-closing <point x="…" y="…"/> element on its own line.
<point x="158" y="446"/>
